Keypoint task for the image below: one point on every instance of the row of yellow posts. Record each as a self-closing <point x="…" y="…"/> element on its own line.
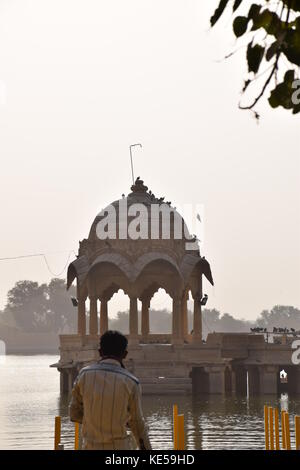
<point x="178" y="429"/>
<point x="57" y="435"/>
<point x="272" y="436"/>
<point x="178" y="432"/>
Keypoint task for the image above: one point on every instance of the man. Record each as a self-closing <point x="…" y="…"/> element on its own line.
<point x="106" y="398"/>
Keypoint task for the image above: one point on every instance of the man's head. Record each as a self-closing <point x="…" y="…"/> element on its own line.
<point x="113" y="344"/>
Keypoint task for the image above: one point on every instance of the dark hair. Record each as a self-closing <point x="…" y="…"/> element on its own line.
<point x="113" y="343"/>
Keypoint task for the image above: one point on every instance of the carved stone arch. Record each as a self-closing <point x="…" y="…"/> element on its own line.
<point x="149" y="291"/>
<point x="162" y="273"/>
<point x="103" y="275"/>
<point x="148" y="288"/>
<point x="145" y="260"/>
<point x="116" y="259"/>
<point x="110" y="285"/>
<point x="110" y="291"/>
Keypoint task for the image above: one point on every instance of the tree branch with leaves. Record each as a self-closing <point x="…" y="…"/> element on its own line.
<point x="273" y="29"/>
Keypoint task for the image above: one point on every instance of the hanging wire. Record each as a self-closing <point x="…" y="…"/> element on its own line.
<point x="22" y="256"/>
<point x="42" y="255"/>
<point x="64" y="268"/>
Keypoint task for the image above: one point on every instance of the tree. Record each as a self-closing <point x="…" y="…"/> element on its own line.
<point x="272" y="29"/>
<point x="161" y="322"/>
<point x="27" y="304"/>
<point x="281" y="316"/>
<point x="60" y="307"/>
<point x="41" y="308"/>
<point x="226" y="323"/>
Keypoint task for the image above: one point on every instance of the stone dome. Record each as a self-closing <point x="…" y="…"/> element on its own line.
<point x="151" y="218"/>
<point x="132" y="246"/>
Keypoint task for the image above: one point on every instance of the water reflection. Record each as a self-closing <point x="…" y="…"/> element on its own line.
<point x="284" y="402"/>
<point x="29" y="400"/>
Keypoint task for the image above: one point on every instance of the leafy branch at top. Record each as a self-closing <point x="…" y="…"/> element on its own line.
<point x="279" y="21"/>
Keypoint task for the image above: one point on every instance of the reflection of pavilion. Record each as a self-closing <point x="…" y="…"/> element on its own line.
<point x="140" y="267"/>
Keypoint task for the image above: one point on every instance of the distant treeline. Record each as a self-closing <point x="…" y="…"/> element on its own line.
<point x="213" y="320"/>
<point x="34" y="307"/>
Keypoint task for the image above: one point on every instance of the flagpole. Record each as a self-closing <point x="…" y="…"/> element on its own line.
<point x="131" y="160"/>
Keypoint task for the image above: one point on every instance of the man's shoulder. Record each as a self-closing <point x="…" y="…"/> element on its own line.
<point x="98" y="367"/>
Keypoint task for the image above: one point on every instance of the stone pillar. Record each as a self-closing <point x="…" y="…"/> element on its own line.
<point x="81" y="317"/>
<point x="297" y="379"/>
<point x="70" y="380"/>
<point x="64" y="382"/>
<point x="177" y="337"/>
<point x="268" y="379"/>
<point x="216" y="380"/>
<point x="145" y="317"/>
<point x="254" y="381"/>
<point x="233" y="382"/>
<point x="103" y="316"/>
<point x="93" y="316"/>
<point x="197" y="324"/>
<point x="184" y="315"/>
<point x="133" y="321"/>
<point x="239" y="381"/>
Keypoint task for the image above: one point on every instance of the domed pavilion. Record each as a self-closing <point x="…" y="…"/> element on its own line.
<point x="140" y="244"/>
<point x="144" y="246"/>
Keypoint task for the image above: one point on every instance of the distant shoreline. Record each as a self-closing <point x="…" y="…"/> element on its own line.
<point x="25" y="343"/>
<point x="32" y="353"/>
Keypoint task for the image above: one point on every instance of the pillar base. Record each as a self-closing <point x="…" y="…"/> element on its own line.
<point x="196" y="339"/>
<point x="268" y="379"/>
<point x="177" y="342"/>
<point x="133" y="342"/>
<point x="216" y="380"/>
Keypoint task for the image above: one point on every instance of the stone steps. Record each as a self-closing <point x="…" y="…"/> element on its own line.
<point x="165" y="371"/>
<point x="165" y="380"/>
<point x="166" y="386"/>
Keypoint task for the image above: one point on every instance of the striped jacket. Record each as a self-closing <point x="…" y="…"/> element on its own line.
<point x="106" y="399"/>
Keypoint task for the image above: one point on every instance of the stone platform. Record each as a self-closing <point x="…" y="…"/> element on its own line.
<point x="235" y="363"/>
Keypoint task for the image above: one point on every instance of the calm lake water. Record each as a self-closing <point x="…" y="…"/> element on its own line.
<point x="29" y="400"/>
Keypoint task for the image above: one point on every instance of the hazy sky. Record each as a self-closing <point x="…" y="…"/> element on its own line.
<point x="82" y="80"/>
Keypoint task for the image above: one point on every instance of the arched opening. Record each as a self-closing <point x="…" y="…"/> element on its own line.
<point x="158" y="272"/>
<point x="87" y="314"/>
<point x="283" y="381"/>
<point x="283" y="376"/>
<point x="253" y="381"/>
<point x="200" y="381"/>
<point x="241" y="380"/>
<point x="288" y="380"/>
<point x="228" y="381"/>
<point x="160" y="318"/>
<point x="118" y="312"/>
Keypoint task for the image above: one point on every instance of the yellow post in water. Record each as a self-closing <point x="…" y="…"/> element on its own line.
<point x="283" y="430"/>
<point x="180" y="421"/>
<point x="297" y="432"/>
<point x="276" y="422"/>
<point x="76" y="441"/>
<point x="175" y="426"/>
<point x="287" y="431"/>
<point x="266" y="416"/>
<point x="57" y="432"/>
<point x="271" y="428"/>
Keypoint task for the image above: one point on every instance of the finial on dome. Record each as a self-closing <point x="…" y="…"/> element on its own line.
<point x="138" y="186"/>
